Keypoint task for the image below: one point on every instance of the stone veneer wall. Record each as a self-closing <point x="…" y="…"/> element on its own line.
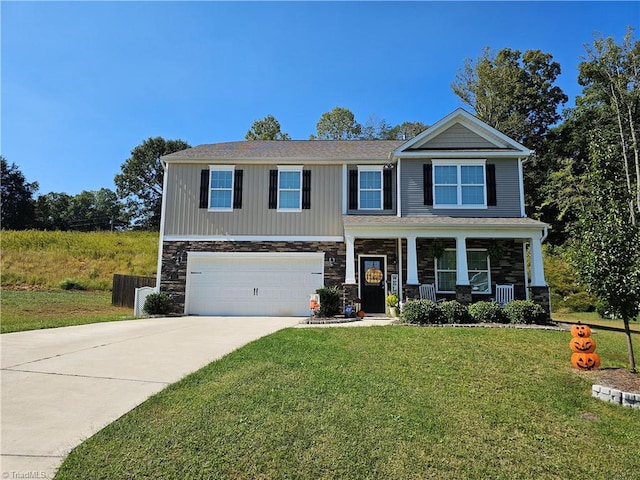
<point x="174" y="260"/>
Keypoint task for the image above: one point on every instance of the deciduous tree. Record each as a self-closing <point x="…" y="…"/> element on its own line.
<point x="338" y="124"/>
<point x="17" y="207"/>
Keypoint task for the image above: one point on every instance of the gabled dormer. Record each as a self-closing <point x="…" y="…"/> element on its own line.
<point x="461" y="167"/>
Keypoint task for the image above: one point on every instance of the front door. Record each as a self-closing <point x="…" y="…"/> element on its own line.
<point x="372" y="284"/>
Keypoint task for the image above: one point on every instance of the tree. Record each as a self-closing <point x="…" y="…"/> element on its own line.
<point x="513" y="93"/>
<point x="17" y="204"/>
<point x="52" y="211"/>
<point x="338" y="124"/>
<point x="140" y="183"/>
<point x="610" y="75"/>
<point x="607" y="252"/>
<point x="406" y="131"/>
<point x="267" y="128"/>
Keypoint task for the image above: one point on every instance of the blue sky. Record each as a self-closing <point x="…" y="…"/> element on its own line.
<point x="83" y="83"/>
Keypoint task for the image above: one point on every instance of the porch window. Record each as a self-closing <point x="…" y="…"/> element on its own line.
<point x="370" y="188"/>
<point x="459" y="184"/>
<point x="221" y="188"/>
<point x="478" y="268"/>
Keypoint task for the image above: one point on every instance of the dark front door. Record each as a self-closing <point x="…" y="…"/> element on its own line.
<point x="372" y="284"/>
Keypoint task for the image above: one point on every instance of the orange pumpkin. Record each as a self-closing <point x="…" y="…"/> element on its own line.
<point x="583" y="345"/>
<point x="580" y="330"/>
<point x="585" y="361"/>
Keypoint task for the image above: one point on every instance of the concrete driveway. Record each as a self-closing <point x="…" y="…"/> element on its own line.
<point x="60" y="386"/>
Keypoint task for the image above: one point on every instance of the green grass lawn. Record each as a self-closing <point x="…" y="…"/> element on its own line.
<point x="378" y="403"/>
<point x="592" y="318"/>
<point x="22" y="310"/>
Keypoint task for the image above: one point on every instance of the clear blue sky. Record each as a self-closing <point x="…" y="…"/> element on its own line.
<point x="83" y="83"/>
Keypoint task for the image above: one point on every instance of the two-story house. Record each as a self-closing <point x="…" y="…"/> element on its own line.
<point x="254" y="227"/>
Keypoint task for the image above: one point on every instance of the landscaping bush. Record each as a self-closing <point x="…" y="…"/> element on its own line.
<point x="422" y="312"/>
<point x="524" y="311"/>
<point x="487" y="312"/>
<point x="330" y="301"/>
<point x="72" y="284"/>
<point x="455" y="312"/>
<point x="157" y="304"/>
<point x="580" y="302"/>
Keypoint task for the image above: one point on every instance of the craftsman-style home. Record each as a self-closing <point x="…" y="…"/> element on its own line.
<point x="255" y="227"/>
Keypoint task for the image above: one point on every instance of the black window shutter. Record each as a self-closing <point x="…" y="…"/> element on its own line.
<point x="353" y="189"/>
<point x="428" y="184"/>
<point x="204" y="188"/>
<point x="387" y="185"/>
<point x="491" y="185"/>
<point x="237" y="189"/>
<point x="306" y="189"/>
<point x="273" y="189"/>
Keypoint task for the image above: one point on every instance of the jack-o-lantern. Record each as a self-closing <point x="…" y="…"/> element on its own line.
<point x="580" y="330"/>
<point x="585" y="361"/>
<point x="582" y="345"/>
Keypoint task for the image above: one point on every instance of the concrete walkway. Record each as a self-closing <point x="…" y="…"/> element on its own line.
<point x="60" y="386"/>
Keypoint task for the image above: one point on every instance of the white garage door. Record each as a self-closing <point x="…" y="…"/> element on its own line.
<point x="252" y="284"/>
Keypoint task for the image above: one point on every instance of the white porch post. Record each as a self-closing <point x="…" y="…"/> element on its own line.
<point x="350" y="274"/>
<point x="537" y="267"/>
<point x="462" y="270"/>
<point x="412" y="261"/>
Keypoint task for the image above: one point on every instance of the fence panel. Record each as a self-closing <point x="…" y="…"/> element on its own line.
<point x="123" y="292"/>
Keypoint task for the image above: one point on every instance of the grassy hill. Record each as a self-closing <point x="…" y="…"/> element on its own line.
<point x="36" y="260"/>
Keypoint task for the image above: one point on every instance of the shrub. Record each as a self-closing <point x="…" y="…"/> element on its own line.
<point x="524" y="311"/>
<point x="487" y="312"/>
<point x="329" y="301"/>
<point x="72" y="284"/>
<point x="580" y="302"/>
<point x="157" y="304"/>
<point x="455" y="312"/>
<point x="422" y="312"/>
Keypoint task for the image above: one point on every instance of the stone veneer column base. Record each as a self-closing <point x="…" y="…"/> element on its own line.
<point x="541" y="296"/>
<point x="463" y="294"/>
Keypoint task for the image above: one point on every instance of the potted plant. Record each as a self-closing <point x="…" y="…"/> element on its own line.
<point x="392" y="302"/>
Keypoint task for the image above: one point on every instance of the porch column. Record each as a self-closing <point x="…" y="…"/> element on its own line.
<point x="537" y="267"/>
<point x="350" y="274"/>
<point x="462" y="270"/>
<point x="412" y="262"/>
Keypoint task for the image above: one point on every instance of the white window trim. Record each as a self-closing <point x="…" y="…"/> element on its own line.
<point x="290" y="168"/>
<point x="486" y="292"/>
<point x="222" y="168"/>
<point x="459" y="164"/>
<point x="371" y="168"/>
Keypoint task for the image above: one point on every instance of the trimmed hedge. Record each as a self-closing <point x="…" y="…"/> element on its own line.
<point x="330" y="301"/>
<point x="426" y="312"/>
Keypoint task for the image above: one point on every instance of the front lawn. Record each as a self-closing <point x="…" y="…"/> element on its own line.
<point x="23" y="310"/>
<point x="380" y="402"/>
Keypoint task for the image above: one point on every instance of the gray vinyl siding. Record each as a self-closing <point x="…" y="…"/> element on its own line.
<point x="394" y="197"/>
<point x="507" y="192"/>
<point x="183" y="217"/>
<point x="460" y="137"/>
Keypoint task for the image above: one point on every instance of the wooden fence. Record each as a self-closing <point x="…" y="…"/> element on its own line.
<point x="124" y="289"/>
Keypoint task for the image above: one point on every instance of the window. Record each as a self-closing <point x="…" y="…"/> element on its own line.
<point x="459" y="185"/>
<point x="478" y="268"/>
<point x="221" y="188"/>
<point x="290" y="188"/>
<point x="370" y="189"/>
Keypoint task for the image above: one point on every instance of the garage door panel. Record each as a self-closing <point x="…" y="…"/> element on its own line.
<point x="265" y="284"/>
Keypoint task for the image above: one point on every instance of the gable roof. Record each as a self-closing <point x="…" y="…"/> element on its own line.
<point x="484" y="140"/>
<point x="292" y="150"/>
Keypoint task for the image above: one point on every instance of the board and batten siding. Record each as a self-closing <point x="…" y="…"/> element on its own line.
<point x="507" y="192"/>
<point x="183" y="217"/>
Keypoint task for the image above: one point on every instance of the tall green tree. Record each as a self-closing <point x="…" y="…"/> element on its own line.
<point x="52" y="211"/>
<point x="607" y="252"/>
<point x="338" y="124"/>
<point x="140" y="183"/>
<point x="17" y="203"/>
<point x="267" y="128"/>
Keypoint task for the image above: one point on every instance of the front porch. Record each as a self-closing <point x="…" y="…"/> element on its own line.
<point x="463" y="258"/>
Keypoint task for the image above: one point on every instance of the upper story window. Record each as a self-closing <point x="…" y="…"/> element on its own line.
<point x="478" y="269"/>
<point x="221" y="187"/>
<point x="370" y="189"/>
<point x="290" y="188"/>
<point x="459" y="184"/>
